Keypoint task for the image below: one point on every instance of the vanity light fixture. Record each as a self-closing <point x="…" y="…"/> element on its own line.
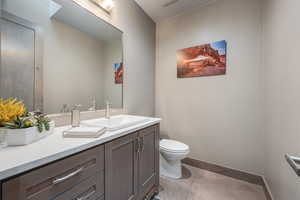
<point x="106" y="5"/>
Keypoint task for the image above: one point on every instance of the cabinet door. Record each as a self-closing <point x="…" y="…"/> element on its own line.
<point x="121" y="168"/>
<point x="148" y="161"/>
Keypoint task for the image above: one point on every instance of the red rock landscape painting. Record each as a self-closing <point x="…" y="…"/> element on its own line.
<point x="203" y="60"/>
<point x="118" y="69"/>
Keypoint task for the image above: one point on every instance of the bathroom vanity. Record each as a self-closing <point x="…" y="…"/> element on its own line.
<point x="72" y="59"/>
<point x="119" y="165"/>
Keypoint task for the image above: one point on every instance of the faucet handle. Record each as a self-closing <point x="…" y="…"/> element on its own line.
<point x="77" y="106"/>
<point x="108" y="103"/>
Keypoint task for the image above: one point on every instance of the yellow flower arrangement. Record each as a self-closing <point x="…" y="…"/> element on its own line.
<point x="11" y="109"/>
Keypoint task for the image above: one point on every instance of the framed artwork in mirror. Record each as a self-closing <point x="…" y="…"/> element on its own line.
<point x="118" y="69"/>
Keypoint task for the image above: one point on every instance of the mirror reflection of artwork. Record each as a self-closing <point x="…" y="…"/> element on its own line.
<point x="203" y="60"/>
<point x="118" y="69"/>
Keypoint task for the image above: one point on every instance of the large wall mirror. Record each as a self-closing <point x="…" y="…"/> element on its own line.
<point x="55" y="54"/>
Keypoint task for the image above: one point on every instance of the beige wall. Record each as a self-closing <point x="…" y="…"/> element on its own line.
<point x="139" y="53"/>
<point x="219" y="117"/>
<point x="281" y="63"/>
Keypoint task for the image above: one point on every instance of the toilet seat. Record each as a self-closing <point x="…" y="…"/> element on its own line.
<point x="173" y="146"/>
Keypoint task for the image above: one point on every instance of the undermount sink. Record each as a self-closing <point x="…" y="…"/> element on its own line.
<point x="116" y="122"/>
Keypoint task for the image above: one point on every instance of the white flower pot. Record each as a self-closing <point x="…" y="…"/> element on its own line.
<point x="19" y="137"/>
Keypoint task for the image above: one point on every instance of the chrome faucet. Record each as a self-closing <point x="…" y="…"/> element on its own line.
<point x="65" y="108"/>
<point x="94" y="106"/>
<point x="107" y="110"/>
<point x="75" y="116"/>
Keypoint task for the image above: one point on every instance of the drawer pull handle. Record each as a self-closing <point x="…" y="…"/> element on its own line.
<point x="87" y="196"/>
<point x="137" y="144"/>
<point x="59" y="180"/>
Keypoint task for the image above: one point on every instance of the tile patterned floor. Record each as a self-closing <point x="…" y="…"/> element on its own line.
<point x="199" y="184"/>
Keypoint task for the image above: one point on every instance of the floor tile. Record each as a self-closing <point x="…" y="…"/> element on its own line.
<point x="198" y="184"/>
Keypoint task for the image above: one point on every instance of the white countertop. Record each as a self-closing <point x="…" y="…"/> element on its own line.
<point x="16" y="160"/>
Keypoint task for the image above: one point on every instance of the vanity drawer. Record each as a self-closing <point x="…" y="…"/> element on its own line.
<point x="90" y="189"/>
<point x="49" y="181"/>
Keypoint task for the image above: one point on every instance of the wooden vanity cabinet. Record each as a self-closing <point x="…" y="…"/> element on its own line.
<point x="132" y="166"/>
<point x="82" y="172"/>
<point x="121" y="163"/>
<point x="148" y="162"/>
<point x="126" y="168"/>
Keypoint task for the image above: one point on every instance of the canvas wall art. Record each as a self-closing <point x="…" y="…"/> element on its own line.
<point x="202" y="60"/>
<point x="118" y="69"/>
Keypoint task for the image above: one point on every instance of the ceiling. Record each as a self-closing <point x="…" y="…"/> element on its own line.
<point x="157" y="11"/>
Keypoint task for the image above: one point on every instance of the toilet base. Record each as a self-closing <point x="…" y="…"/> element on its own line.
<point x="170" y="169"/>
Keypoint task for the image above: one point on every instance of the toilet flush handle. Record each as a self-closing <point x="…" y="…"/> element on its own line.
<point x="294" y="162"/>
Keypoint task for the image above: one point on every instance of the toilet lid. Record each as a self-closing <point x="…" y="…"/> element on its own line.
<point x="173" y="146"/>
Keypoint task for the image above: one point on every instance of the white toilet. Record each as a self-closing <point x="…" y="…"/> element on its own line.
<point x="171" y="154"/>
